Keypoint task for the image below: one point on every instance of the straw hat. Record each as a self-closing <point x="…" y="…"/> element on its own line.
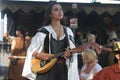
<point x="116" y="46"/>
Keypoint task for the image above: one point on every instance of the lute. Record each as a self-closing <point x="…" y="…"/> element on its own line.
<point x="42" y="66"/>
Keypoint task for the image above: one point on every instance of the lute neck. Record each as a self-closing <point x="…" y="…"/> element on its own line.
<point x="74" y="50"/>
<point x="55" y="56"/>
<point x="77" y="49"/>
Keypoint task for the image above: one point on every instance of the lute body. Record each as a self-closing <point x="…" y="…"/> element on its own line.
<point x="40" y="66"/>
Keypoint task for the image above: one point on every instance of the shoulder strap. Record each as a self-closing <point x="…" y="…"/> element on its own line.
<point x="65" y="30"/>
<point x="43" y="30"/>
<point x="46" y="42"/>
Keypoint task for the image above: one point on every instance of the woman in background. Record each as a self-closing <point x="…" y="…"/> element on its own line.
<point x="90" y="66"/>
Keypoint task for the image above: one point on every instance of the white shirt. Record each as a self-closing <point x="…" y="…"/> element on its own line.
<point x="90" y="75"/>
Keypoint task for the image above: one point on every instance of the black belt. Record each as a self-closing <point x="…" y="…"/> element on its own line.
<point x="61" y="61"/>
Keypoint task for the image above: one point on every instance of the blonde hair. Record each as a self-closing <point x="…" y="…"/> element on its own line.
<point x="90" y="37"/>
<point x="89" y="56"/>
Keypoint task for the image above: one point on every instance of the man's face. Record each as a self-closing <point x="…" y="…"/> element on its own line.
<point x="18" y="33"/>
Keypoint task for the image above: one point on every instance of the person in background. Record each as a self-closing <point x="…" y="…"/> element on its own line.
<point x="79" y="38"/>
<point x="110" y="55"/>
<point x="7" y="38"/>
<point x="27" y="38"/>
<point x="52" y="38"/>
<point x="19" y="47"/>
<point x="111" y="72"/>
<point x="90" y="65"/>
<point x="91" y="43"/>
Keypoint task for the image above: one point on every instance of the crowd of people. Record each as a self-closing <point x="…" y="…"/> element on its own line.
<point x="57" y="39"/>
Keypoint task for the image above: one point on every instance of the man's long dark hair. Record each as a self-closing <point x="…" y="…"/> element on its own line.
<point x="47" y="18"/>
<point x="20" y="28"/>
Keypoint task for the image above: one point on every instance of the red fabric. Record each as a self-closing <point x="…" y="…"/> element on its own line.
<point x="109" y="73"/>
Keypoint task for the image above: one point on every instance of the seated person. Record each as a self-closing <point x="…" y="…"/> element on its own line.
<point x="90" y="66"/>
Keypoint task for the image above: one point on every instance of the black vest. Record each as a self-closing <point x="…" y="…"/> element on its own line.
<point x="46" y="42"/>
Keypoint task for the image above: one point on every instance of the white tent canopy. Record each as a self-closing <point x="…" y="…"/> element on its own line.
<point x="99" y="6"/>
<point x="77" y="1"/>
<point x="99" y="9"/>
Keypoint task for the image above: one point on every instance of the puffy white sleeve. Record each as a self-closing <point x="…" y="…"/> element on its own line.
<point x="36" y="45"/>
<point x="72" y="65"/>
